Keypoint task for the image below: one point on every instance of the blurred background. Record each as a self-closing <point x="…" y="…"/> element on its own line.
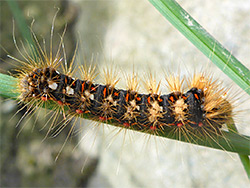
<point x="127" y="35"/>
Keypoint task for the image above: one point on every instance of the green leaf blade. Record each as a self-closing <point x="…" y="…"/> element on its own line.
<point x="209" y="46"/>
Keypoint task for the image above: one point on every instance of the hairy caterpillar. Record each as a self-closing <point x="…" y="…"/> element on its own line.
<point x="190" y="156"/>
<point x="201" y="107"/>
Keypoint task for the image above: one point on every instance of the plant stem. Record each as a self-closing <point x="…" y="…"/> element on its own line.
<point x="230" y="141"/>
<point x="244" y="158"/>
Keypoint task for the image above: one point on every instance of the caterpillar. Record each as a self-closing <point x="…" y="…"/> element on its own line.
<point x="156" y="130"/>
<point x="201" y="107"/>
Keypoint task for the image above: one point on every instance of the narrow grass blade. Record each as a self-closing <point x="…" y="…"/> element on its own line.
<point x="8" y="86"/>
<point x="231" y="142"/>
<point x="18" y="15"/>
<point x="209" y="46"/>
<point x="244" y="158"/>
